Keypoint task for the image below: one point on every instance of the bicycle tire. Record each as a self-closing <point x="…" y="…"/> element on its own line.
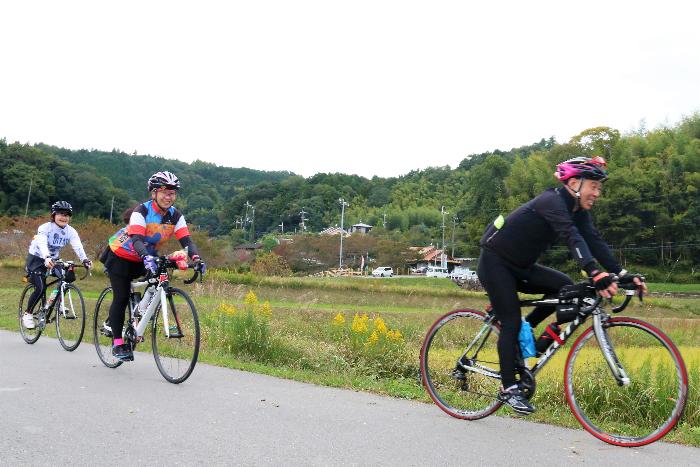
<point x="640" y="412"/>
<point x="72" y="325"/>
<point x="176" y="356"/>
<point x="474" y="396"/>
<point x="30" y="336"/>
<point x="103" y="343"/>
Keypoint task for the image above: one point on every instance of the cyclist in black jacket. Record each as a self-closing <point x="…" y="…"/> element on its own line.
<point x="510" y="248"/>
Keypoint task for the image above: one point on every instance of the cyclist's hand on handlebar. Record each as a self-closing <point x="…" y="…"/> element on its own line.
<point x="636" y="279"/>
<point x="149" y="262"/>
<point x="48" y="262"/>
<point x="604" y="284"/>
<point x="199" y="265"/>
<point x="87" y="263"/>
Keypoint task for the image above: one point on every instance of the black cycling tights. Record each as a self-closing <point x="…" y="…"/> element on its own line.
<point x="502" y="281"/>
<point x="39" y="281"/>
<point x="121" y="289"/>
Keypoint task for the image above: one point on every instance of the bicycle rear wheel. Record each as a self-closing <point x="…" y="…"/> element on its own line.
<point x="103" y="343"/>
<point x="177" y="351"/>
<point x="70" y="318"/>
<point x="30" y="336"/>
<point x="459" y="364"/>
<point x="637" y="413"/>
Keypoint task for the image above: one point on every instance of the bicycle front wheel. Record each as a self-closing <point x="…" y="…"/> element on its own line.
<point x="30" y="335"/>
<point x="101" y="336"/>
<point x="70" y="318"/>
<point x="459" y="364"/>
<point x="175" y="342"/>
<point x="636" y="412"/>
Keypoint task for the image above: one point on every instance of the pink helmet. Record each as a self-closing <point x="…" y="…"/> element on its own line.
<point x="582" y="167"/>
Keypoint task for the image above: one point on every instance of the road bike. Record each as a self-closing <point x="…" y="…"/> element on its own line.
<point x="67" y="301"/>
<point x="625" y="380"/>
<point x="168" y="311"/>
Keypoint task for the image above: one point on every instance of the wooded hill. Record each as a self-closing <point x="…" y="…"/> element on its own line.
<point x="649" y="212"/>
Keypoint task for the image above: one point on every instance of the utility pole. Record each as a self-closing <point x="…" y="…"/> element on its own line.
<point x="303" y="213"/>
<point x="444" y="257"/>
<point x="281" y="226"/>
<point x="384" y="220"/>
<point x="246" y="219"/>
<point x="342" y="218"/>
<point x="454" y="223"/>
<point x="29" y="195"/>
<point x="111" y="210"/>
<point x="252" y="227"/>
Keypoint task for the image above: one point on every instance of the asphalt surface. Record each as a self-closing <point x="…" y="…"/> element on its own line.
<point x="60" y="408"/>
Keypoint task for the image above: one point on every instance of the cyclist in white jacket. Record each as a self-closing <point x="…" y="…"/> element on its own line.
<point x="46" y="245"/>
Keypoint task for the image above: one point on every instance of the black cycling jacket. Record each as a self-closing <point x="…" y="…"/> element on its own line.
<point x="533" y="227"/>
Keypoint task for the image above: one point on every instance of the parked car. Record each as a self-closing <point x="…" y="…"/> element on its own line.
<point x="420" y="270"/>
<point x="383" y="271"/>
<point x="437" y="271"/>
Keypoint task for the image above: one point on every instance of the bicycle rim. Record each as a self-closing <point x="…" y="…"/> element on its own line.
<point x="70" y="318"/>
<point x="103" y="344"/>
<point x="637" y="413"/>
<point x="468" y="394"/>
<point x="30" y="336"/>
<point x="177" y="351"/>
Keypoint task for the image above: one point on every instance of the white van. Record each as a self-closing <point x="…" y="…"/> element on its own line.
<point x="437" y="271"/>
<point x="463" y="273"/>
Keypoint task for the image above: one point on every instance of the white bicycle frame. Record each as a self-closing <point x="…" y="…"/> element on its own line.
<point x="159" y="297"/>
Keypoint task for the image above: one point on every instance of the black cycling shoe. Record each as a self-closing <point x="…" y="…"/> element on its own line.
<point x="516" y="400"/>
<point x="123" y="352"/>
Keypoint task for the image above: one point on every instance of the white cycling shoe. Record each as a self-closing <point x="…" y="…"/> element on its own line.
<point x="28" y="321"/>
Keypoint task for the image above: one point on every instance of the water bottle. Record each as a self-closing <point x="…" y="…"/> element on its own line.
<point x="135" y="299"/>
<point x="526" y="340"/>
<point x="550" y="334"/>
<point x="52" y="297"/>
<point x="146" y="300"/>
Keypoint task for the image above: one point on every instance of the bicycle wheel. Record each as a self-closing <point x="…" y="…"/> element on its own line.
<point x="459" y="364"/>
<point x="103" y="343"/>
<point x="637" y="413"/>
<point x="176" y="353"/>
<point x="70" y="318"/>
<point x="30" y="336"/>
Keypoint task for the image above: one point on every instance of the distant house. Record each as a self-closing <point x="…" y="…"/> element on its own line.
<point x="425" y="256"/>
<point x="249" y="246"/>
<point x="360" y="228"/>
<point x="335" y="230"/>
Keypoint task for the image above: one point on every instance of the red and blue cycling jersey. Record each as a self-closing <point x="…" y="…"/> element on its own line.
<point x="154" y="225"/>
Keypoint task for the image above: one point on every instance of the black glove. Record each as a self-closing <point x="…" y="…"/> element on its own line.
<point x="199" y="265"/>
<point x="87" y="263"/>
<point x="602" y="280"/>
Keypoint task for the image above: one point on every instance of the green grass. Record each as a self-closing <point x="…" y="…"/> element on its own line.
<point x="302" y="343"/>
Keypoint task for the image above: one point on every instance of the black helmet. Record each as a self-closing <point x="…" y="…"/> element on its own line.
<point x="61" y="206"/>
<point x="166" y="179"/>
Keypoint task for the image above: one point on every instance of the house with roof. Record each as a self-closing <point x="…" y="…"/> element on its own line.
<point x="424" y="256"/>
<point x="360" y="228"/>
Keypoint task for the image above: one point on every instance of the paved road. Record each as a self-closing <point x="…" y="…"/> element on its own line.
<point x="66" y="408"/>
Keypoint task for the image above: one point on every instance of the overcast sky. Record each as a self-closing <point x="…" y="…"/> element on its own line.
<point x="365" y="87"/>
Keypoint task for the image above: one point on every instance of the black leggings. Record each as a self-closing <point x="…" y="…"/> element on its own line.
<point x="502" y="281"/>
<point x="121" y="272"/>
<point x="39" y="280"/>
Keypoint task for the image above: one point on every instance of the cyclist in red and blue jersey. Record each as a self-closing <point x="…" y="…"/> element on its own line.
<point x="510" y="248"/>
<point x="132" y="250"/>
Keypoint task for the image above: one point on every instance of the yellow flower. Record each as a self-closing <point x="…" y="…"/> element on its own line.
<point x="373" y="338"/>
<point x="394" y="335"/>
<point x="250" y="298"/>
<point x="227" y="309"/>
<point x="380" y="325"/>
<point x="339" y="320"/>
<point x="359" y="324"/>
<point x="266" y="309"/>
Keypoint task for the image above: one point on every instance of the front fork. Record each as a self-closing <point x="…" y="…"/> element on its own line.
<point x="601" y="335"/>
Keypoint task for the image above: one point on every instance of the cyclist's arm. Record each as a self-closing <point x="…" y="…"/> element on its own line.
<point x="137" y="230"/>
<point x="77" y="245"/>
<point x="41" y="240"/>
<point x="554" y="211"/>
<point x="598" y="247"/>
<point x="182" y="233"/>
